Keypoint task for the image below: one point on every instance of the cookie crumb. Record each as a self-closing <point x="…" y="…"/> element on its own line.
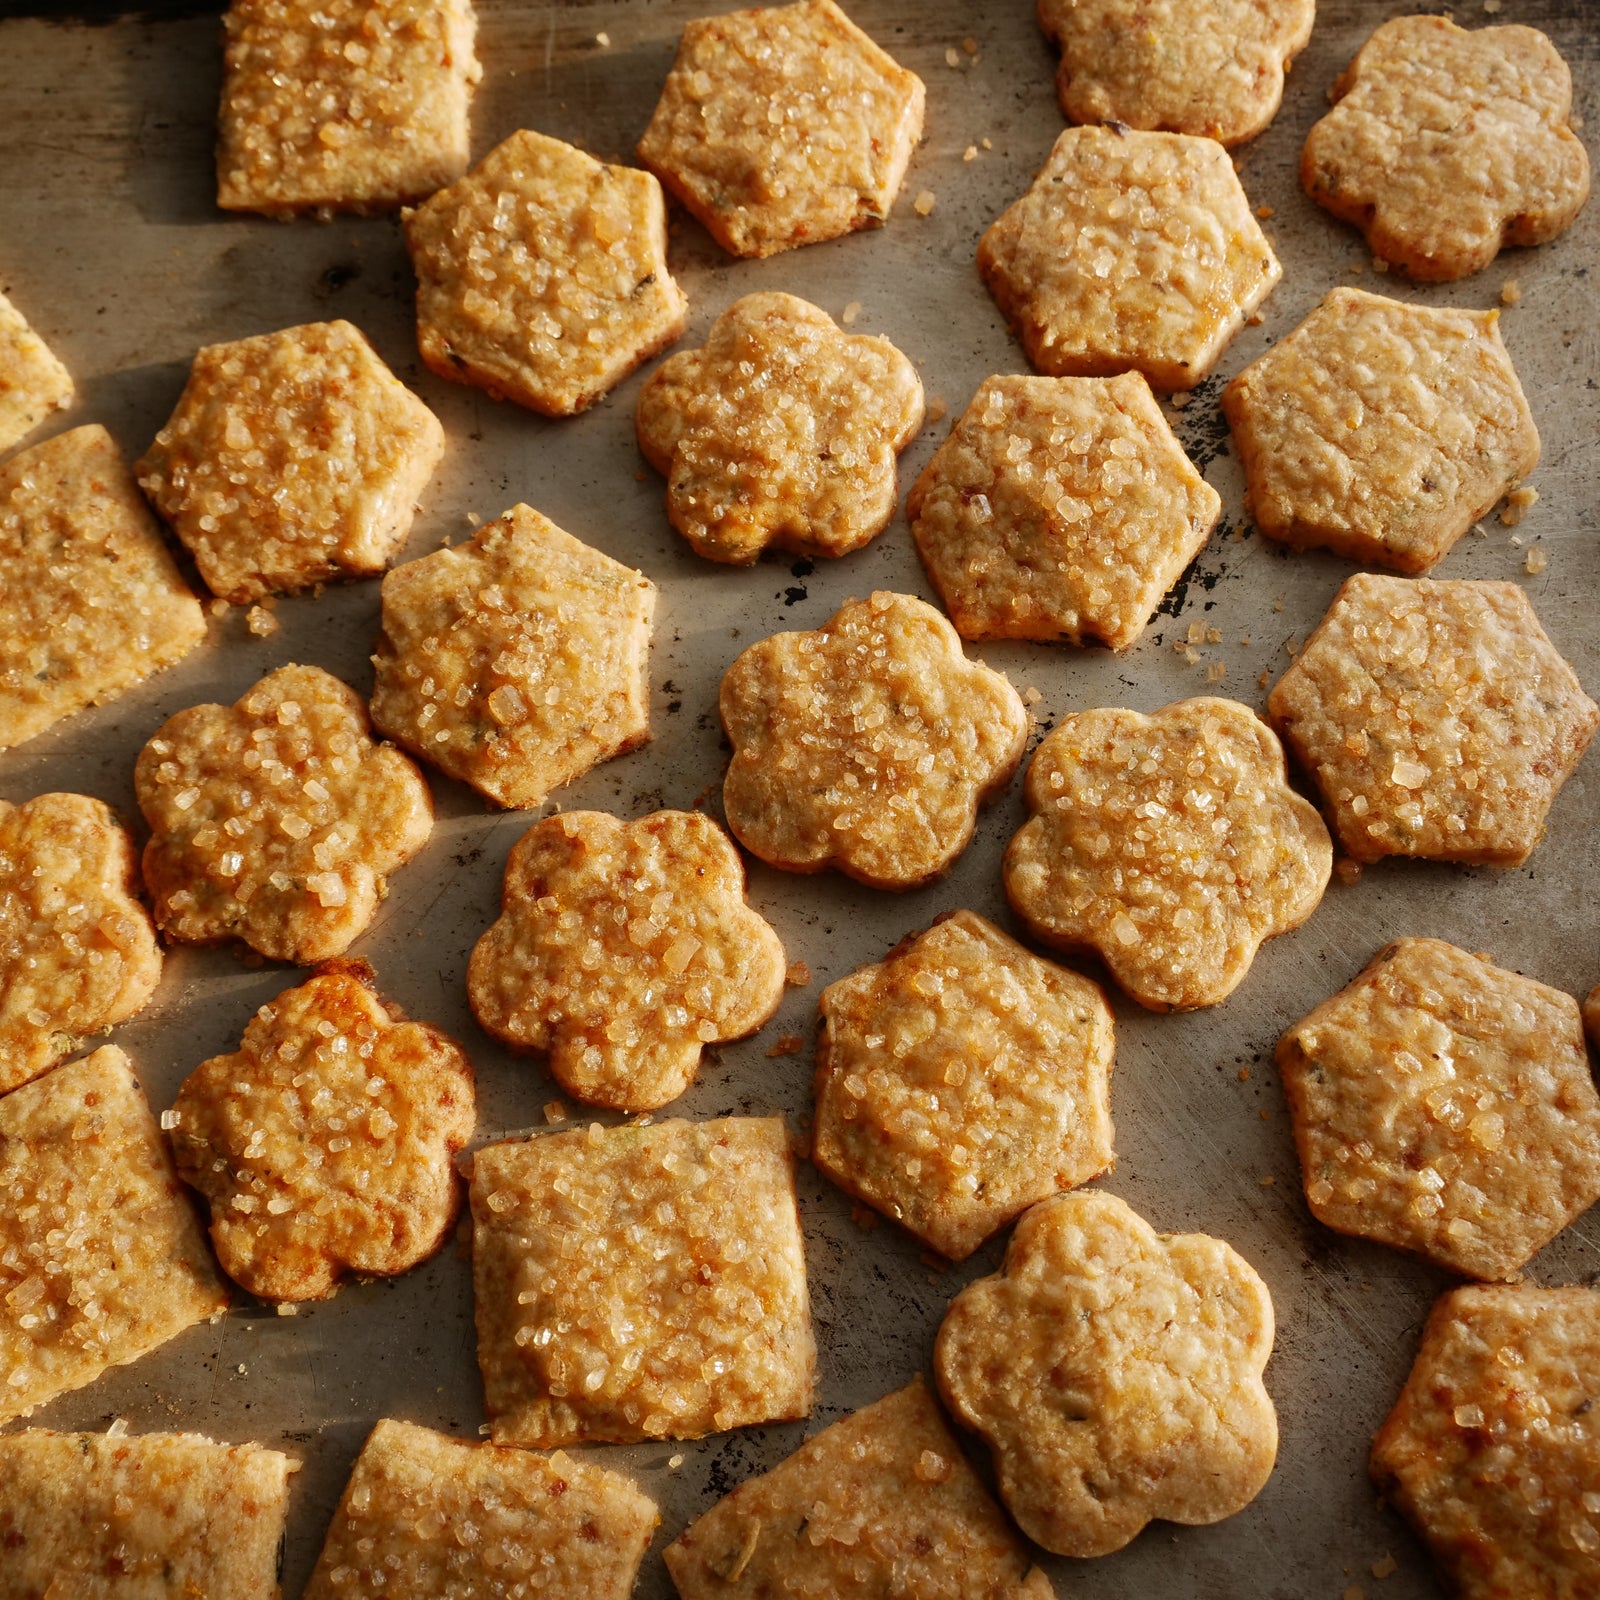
<point x="970" y="45"/>
<point x="1510" y="292"/>
<point x="798" y="975"/>
<point x="938" y="409"/>
<point x="789" y="1044"/>
<point x="1517" y="505"/>
<point x="674" y="1462"/>
<point x="1538" y="559"/>
<point x="288" y="1308"/>
<point x="851" y="312"/>
<point x="1349" y="871"/>
<point x="1266" y="211"/>
<point x="555" y="1111"/>
<point x="1244" y="1074"/>
<point x="986" y="144"/>
<point x="952" y="56"/>
<point x="603" y="40"/>
<point x="1180" y="400"/>
<point x="970" y="153"/>
<point x="1031" y="696"/>
<point x="1387" y="1566"/>
<point x="261" y="622"/>
<point x="923" y="204"/>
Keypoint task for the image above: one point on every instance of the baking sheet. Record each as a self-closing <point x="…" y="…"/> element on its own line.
<point x="110" y="242"/>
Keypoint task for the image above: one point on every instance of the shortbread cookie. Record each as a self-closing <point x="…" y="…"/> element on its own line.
<point x="1444" y="145"/>
<point x="1170" y="845"/>
<point x="1214" y="67"/>
<point x="99" y="1516"/>
<point x="1492" y="1451"/>
<point x="324" y="1143"/>
<point x="866" y="745"/>
<point x="1381" y="430"/>
<point x="961" y="1079"/>
<point x="1059" y="509"/>
<point x="91" y="602"/>
<point x="275" y="820"/>
<point x="882" y="1493"/>
<point x="101" y="1258"/>
<point x="542" y="275"/>
<point x="1130" y="250"/>
<point x="342" y="105"/>
<point x="622" y="949"/>
<point x="78" y="953"/>
<point x="1115" y="1372"/>
<point x="290" y="458"/>
<point x="640" y="1282"/>
<point x="781" y="431"/>
<point x="517" y="661"/>
<point x="427" y="1515"/>
<point x="783" y="126"/>
<point x="33" y="383"/>
<point x="1437" y="719"/>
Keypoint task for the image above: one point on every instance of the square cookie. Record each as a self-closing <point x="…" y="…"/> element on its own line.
<point x="33" y="383"/>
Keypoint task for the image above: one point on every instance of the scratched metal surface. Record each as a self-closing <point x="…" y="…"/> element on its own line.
<point x="109" y="240"/>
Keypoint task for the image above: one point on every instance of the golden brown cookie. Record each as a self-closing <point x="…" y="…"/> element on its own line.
<point x="275" y="820"/>
<point x="1059" y="509"/>
<point x="782" y="431"/>
<point x="1591" y="1016"/>
<point x="1130" y="250"/>
<point x="867" y="744"/>
<point x="1445" y="145"/>
<point x="783" y="126"/>
<point x="33" y="383"/>
<point x="1437" y="719"/>
<point x="1170" y="845"/>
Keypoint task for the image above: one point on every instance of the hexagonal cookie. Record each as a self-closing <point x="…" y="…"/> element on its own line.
<point x="1445" y="1106"/>
<point x="1381" y="430"/>
<point x="517" y="661"/>
<point x="33" y="383"/>
<point x="961" y="1079"/>
<point x="1059" y="509"/>
<point x="1130" y="250"/>
<point x="1445" y="145"/>
<point x="1437" y="719"/>
<point x="782" y="431"/>
<point x="1170" y="845"/>
<point x="542" y="275"/>
<point x="290" y="458"/>
<point x="783" y="126"/>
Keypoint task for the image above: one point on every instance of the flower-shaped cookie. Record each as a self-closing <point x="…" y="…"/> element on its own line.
<point x="1212" y="67"/>
<point x="1130" y="250"/>
<point x="1115" y="1373"/>
<point x="274" y="820"/>
<point x="622" y="949"/>
<point x="1437" y="719"/>
<point x="866" y="745"/>
<point x="1059" y="508"/>
<point x="1445" y="145"/>
<point x="542" y="275"/>
<point x="783" y="126"/>
<point x="781" y="431"/>
<point x="1170" y="845"/>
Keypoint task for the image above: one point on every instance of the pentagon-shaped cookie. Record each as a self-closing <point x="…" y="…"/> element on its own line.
<point x="324" y="1143"/>
<point x="1445" y="145"/>
<point x="884" y="1492"/>
<point x="1059" y="509"/>
<point x="1437" y="719"/>
<point x="275" y="820"/>
<point x="78" y="953"/>
<point x="342" y="105"/>
<point x="640" y="1282"/>
<point x="1131" y="250"/>
<point x="101" y="1258"/>
<point x="290" y="458"/>
<point x="1492" y="1451"/>
<point x="517" y="661"/>
<point x="782" y="431"/>
<point x="1381" y="430"/>
<point x="622" y="949"/>
<point x="33" y="383"/>
<point x="91" y="601"/>
<point x="783" y="126"/>
<point x="1170" y="845"/>
<point x="1115" y="1373"/>
<point x="867" y="744"/>
<point x="542" y="275"/>
<point x="961" y="1079"/>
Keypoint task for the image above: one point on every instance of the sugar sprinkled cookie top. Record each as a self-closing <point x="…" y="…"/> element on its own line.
<point x="867" y="744"/>
<point x="1115" y="1373"/>
<point x="516" y="661"/>
<point x="1444" y="145"/>
<point x="1492" y="1451"/>
<point x="781" y="431"/>
<point x="1131" y="250"/>
<point x="33" y="383"/>
<point x="1437" y="719"/>
<point x="783" y="126"/>
<point x="542" y="275"/>
<point x="1059" y="508"/>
